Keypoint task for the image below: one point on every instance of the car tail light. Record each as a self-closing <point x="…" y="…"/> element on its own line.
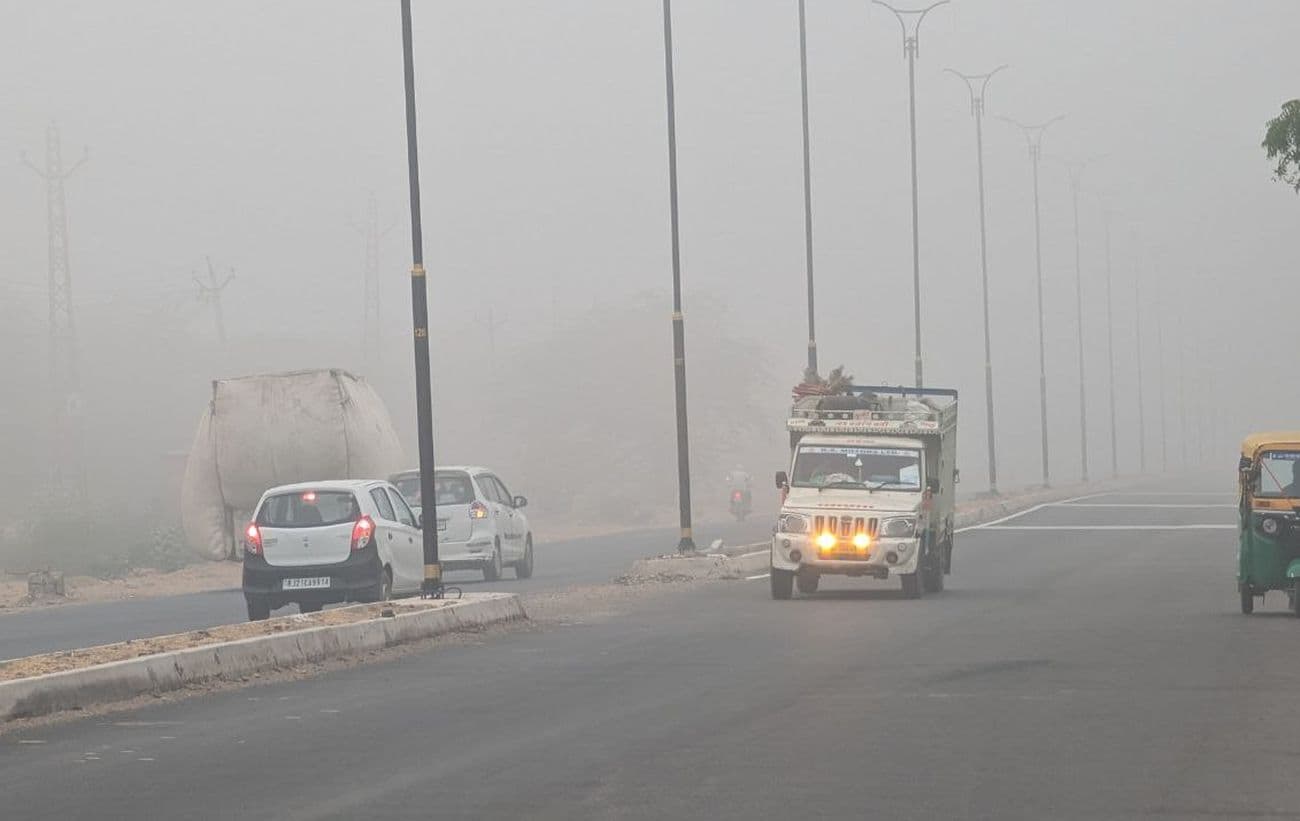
<point x="253" y="539"/>
<point x="478" y="510"/>
<point x="362" y="532"/>
<point x="735" y="496"/>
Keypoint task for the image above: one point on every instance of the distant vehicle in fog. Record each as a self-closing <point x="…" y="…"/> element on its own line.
<point x="481" y="526"/>
<point x="324" y="542"/>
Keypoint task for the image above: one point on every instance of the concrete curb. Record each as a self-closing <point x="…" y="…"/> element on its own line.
<point x="161" y="672"/>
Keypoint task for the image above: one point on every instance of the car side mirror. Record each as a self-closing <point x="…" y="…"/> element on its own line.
<point x="932" y="485"/>
<point x="782" y="480"/>
<point x="520" y="501"/>
<point x="419" y="521"/>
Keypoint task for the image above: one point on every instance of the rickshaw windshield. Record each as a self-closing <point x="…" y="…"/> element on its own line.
<point x="1279" y="475"/>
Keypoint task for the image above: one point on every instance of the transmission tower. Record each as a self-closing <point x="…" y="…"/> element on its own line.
<point x="371" y="325"/>
<point x="210" y="294"/>
<point x="68" y="473"/>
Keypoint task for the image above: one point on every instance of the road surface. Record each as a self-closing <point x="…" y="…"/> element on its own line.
<point x="589" y="560"/>
<point x="1088" y="661"/>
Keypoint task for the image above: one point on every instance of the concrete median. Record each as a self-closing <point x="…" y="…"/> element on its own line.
<point x="232" y="660"/>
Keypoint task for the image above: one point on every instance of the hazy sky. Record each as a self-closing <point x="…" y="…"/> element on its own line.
<point x="254" y="132"/>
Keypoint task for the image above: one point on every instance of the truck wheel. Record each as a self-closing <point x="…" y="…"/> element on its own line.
<point x="782" y="583"/>
<point x="932" y="576"/>
<point x="310" y="607"/>
<point x="1295" y="600"/>
<point x="807" y="582"/>
<point x="1247" y="600"/>
<point x="259" y="609"/>
<point x="912" y="587"/>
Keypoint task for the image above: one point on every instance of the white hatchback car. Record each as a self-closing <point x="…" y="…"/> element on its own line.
<point x="322" y="542"/>
<point x="480" y="525"/>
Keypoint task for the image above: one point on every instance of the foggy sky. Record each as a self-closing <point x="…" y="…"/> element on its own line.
<point x="254" y="132"/>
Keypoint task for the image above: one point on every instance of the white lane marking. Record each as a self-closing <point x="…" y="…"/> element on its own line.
<point x="756" y="578"/>
<point x="1109" y="527"/>
<point x="1141" y="507"/>
<point x="144" y="759"/>
<point x="1027" y="511"/>
<point x="1215" y="494"/>
<point x="30" y="741"/>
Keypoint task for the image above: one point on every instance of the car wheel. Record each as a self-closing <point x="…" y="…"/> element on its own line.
<point x="492" y="570"/>
<point x="782" y="583"/>
<point x="310" y="607"/>
<point x="259" y="609"/>
<point x="912" y="586"/>
<point x="524" y="567"/>
<point x="807" y="582"/>
<point x="1247" y="600"/>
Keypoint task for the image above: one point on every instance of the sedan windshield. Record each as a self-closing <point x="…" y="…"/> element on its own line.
<point x="853" y="466"/>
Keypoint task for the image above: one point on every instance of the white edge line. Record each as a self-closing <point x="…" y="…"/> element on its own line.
<point x="756" y="578"/>
<point x="1111" y="527"/>
<point x="1027" y="511"/>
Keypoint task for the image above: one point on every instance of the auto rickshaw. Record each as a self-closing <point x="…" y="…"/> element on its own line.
<point x="1268" y="555"/>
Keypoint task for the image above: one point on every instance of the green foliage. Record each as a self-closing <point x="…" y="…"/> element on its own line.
<point x="1282" y="142"/>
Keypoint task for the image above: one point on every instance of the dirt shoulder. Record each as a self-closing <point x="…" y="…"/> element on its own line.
<point x="196" y="578"/>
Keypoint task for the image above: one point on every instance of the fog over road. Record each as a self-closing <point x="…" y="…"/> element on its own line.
<point x="587" y="560"/>
<point x="1087" y="661"/>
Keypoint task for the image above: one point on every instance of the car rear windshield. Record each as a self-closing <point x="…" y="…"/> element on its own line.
<point x="452" y="488"/>
<point x="309" y="508"/>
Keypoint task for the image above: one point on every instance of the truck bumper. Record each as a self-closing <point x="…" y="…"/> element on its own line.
<point x="884" y="558"/>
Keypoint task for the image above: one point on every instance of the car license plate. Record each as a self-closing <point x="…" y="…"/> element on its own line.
<point x="442" y="524"/>
<point x="307" y="584"/>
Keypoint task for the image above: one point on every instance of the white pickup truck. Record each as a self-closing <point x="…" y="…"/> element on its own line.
<point x="870" y="489"/>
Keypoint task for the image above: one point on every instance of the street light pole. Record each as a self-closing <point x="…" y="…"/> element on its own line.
<point x="1137" y="329"/>
<point x="807" y="189"/>
<point x="1160" y="385"/>
<point x="432" y="584"/>
<point x="1110" y="354"/>
<point x="911" y="41"/>
<point x="977" y="112"/>
<point x="1076" y="173"/>
<point x="1034" y="140"/>
<point x="687" y="541"/>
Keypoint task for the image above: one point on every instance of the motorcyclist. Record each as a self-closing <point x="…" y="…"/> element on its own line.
<point x="738" y="479"/>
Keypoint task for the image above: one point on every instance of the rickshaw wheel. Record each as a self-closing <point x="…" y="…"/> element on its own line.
<point x="1295" y="601"/>
<point x="1247" y="601"/>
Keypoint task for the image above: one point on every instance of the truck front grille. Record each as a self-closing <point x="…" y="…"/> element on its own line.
<point x="845" y="527"/>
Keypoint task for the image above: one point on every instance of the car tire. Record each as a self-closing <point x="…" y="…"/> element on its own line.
<point x="807" y="582"/>
<point x="782" y="584"/>
<point x="492" y="570"/>
<point x="524" y="567"/>
<point x="259" y="609"/>
<point x="1247" y="600"/>
<point x="305" y="607"/>
<point x="912" y="585"/>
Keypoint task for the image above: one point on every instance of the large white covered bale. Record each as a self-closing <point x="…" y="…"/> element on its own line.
<point x="274" y="429"/>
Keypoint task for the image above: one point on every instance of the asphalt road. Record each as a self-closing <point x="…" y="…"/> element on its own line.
<point x="590" y="560"/>
<point x="1086" y="662"/>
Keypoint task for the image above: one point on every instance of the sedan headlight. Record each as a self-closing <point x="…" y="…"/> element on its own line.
<point x="901" y="527"/>
<point x="793" y="523"/>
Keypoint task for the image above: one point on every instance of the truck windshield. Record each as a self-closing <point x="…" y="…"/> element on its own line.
<point x="857" y="466"/>
<point x="1279" y="474"/>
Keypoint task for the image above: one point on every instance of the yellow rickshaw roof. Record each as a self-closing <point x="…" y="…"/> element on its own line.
<point x="1258" y="441"/>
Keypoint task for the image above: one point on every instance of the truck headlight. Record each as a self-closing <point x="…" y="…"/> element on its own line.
<point x="793" y="523"/>
<point x="900" y="527"/>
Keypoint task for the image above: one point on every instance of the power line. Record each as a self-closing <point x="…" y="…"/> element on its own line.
<point x="210" y="294"/>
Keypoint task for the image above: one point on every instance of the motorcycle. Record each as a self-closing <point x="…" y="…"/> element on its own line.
<point x="741" y="505"/>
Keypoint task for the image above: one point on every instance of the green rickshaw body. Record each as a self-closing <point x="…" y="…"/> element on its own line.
<point x="1268" y="552"/>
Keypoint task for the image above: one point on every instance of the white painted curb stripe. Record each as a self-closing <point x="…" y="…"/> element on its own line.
<point x="160" y="672"/>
